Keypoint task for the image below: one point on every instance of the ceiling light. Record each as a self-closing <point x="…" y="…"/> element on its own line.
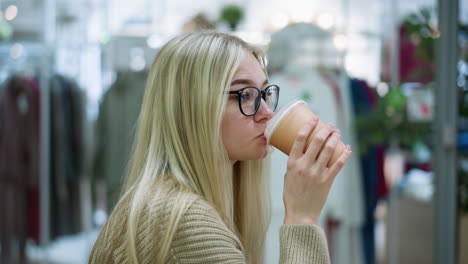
<point x="11" y="12"/>
<point x="280" y="21"/>
<point x="325" y="21"/>
<point x="341" y="42"/>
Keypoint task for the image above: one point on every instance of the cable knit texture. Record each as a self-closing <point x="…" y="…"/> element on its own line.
<point x="201" y="236"/>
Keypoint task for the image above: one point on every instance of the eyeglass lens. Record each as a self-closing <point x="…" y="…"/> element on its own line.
<point x="251" y="99"/>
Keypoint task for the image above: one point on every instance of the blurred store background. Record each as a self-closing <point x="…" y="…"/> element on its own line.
<point x="391" y="74"/>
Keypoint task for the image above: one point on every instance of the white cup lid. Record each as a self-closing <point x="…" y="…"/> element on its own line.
<point x="279" y="116"/>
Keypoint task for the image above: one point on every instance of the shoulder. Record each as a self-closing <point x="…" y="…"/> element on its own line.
<point x="203" y="237"/>
<point x="201" y="210"/>
<point x="194" y="208"/>
<point x="193" y="212"/>
<point x="200" y="216"/>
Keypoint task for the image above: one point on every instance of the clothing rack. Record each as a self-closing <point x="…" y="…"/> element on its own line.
<point x="35" y="58"/>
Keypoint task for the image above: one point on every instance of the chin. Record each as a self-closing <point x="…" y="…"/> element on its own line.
<point x="261" y="153"/>
<point x="254" y="155"/>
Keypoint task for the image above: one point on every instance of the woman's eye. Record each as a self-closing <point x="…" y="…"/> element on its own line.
<point x="245" y="96"/>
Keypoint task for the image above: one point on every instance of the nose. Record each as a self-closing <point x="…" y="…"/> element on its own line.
<point x="264" y="112"/>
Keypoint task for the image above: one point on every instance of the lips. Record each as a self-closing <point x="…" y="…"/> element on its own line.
<point x="262" y="136"/>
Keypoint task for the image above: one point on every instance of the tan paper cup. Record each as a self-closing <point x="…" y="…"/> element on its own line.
<point x="282" y="129"/>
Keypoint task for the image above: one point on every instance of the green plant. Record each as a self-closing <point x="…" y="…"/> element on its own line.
<point x="5" y="31"/>
<point x="231" y="14"/>
<point x="388" y="121"/>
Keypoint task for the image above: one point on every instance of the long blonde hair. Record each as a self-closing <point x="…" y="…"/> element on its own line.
<point x="178" y="141"/>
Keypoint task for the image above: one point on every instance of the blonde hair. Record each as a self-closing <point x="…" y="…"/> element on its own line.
<point x="179" y="144"/>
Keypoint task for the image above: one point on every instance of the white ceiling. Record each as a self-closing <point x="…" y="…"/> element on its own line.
<point x="167" y="16"/>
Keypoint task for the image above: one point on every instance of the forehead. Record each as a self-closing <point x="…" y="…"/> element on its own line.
<point x="250" y="69"/>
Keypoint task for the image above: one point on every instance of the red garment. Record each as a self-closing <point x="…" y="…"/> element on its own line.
<point x="422" y="166"/>
<point x="382" y="187"/>
<point x="19" y="132"/>
<point x="34" y="214"/>
<point x="411" y="67"/>
<point x="330" y="229"/>
<point x="19" y="162"/>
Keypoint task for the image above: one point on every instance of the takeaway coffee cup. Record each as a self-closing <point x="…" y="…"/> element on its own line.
<point x="282" y="129"/>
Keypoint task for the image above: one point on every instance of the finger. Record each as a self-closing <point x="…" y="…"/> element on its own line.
<point x="340" y="162"/>
<point x="329" y="148"/>
<point x="297" y="149"/>
<point x="317" y="143"/>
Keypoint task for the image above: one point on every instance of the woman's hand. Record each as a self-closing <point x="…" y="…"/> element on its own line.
<point x="308" y="180"/>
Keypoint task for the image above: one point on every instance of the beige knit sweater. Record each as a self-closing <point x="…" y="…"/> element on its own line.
<point x="201" y="237"/>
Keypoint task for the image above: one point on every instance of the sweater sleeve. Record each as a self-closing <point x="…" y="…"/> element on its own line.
<point x="303" y="244"/>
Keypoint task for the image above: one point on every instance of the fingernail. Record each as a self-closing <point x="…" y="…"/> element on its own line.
<point x="338" y="132"/>
<point x="315" y="118"/>
<point x="331" y="127"/>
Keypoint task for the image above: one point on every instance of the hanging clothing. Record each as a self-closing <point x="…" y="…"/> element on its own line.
<point x="67" y="119"/>
<point x="327" y="95"/>
<point x="294" y="54"/>
<point x="348" y="211"/>
<point x="19" y="163"/>
<point x="301" y="41"/>
<point x="374" y="185"/>
<point x="412" y="68"/>
<point x="114" y="133"/>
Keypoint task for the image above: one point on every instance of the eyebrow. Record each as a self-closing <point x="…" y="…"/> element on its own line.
<point x="246" y="81"/>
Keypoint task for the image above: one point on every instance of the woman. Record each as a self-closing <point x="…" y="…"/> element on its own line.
<point x="196" y="191"/>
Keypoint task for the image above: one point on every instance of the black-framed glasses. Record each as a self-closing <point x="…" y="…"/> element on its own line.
<point x="251" y="97"/>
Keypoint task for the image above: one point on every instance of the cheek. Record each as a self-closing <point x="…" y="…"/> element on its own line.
<point x="238" y="136"/>
<point x="233" y="130"/>
<point x="229" y="127"/>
